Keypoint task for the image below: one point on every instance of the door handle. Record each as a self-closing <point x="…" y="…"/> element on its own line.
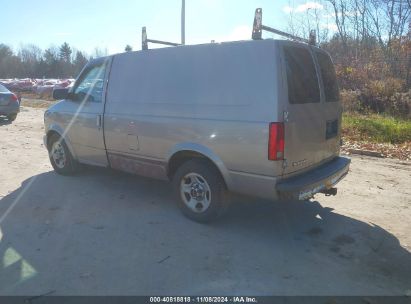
<point x="98" y="121"/>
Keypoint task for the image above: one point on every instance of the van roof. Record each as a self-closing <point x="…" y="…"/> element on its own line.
<point x="269" y="42"/>
<point x="240" y="43"/>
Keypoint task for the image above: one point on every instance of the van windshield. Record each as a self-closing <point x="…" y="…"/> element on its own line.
<point x="329" y="77"/>
<point x="301" y="76"/>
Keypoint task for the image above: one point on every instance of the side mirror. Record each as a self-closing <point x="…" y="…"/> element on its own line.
<point x="59" y="94"/>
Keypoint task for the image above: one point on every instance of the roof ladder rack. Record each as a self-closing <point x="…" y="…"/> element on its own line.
<point x="145" y="40"/>
<point x="258" y="29"/>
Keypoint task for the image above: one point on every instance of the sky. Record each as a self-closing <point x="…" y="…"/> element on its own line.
<point x="112" y="24"/>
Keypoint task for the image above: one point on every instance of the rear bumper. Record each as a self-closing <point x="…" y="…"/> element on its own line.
<point x="304" y="186"/>
<point x="14" y="108"/>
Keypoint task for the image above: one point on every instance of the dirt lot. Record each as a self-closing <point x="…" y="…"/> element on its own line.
<point x="107" y="233"/>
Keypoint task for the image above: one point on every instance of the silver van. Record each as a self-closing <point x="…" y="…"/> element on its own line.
<point x="260" y="118"/>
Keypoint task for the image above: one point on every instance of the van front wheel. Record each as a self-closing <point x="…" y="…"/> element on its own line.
<point x="200" y="191"/>
<point x="60" y="156"/>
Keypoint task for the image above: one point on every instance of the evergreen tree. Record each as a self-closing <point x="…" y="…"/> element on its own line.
<point x="65" y="53"/>
<point x="52" y="63"/>
<point x="79" y="62"/>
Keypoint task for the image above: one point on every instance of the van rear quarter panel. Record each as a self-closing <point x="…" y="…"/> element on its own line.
<point x="220" y="96"/>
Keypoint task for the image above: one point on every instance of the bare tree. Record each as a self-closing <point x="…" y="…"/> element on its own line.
<point x="340" y="15"/>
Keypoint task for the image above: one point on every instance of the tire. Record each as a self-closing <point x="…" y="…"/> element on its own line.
<point x="60" y="156"/>
<point x="200" y="191"/>
<point x="12" y="117"/>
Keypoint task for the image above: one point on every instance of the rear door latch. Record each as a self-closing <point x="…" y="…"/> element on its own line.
<point x="286" y="114"/>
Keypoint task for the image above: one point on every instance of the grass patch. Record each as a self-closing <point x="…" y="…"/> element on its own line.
<point x="376" y="128"/>
<point x="36" y="103"/>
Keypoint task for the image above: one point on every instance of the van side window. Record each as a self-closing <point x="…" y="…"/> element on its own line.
<point x="90" y="87"/>
<point x="329" y="77"/>
<point x="301" y="76"/>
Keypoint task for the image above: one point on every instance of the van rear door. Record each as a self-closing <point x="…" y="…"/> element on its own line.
<point x="312" y="112"/>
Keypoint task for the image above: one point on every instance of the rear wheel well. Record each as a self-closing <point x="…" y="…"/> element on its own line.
<point x="183" y="156"/>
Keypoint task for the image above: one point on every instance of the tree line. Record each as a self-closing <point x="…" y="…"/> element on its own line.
<point x="370" y="43"/>
<point x="369" y="40"/>
<point x="32" y="62"/>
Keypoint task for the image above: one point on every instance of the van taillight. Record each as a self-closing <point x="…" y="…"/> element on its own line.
<point x="276" y="141"/>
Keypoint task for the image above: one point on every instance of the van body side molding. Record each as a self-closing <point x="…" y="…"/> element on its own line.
<point x="138" y="165"/>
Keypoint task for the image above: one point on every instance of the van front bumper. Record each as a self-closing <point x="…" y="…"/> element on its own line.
<point x="320" y="179"/>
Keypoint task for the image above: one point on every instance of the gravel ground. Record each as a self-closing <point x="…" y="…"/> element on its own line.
<point x="106" y="233"/>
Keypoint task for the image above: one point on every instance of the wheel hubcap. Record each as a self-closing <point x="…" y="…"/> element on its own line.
<point x="195" y="192"/>
<point x="58" y="154"/>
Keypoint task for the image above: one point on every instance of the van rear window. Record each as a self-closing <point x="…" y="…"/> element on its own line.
<point x="329" y="77"/>
<point x="301" y="76"/>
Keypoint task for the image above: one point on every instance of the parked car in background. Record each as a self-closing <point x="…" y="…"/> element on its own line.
<point x="9" y="104"/>
<point x="260" y="118"/>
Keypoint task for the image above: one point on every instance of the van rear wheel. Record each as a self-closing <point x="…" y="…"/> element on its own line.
<point x="60" y="156"/>
<point x="200" y="191"/>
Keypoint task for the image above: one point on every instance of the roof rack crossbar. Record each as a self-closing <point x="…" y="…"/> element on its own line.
<point x="145" y="41"/>
<point x="258" y="29"/>
<point x="284" y="34"/>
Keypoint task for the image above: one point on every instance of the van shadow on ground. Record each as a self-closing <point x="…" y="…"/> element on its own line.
<point x="106" y="233"/>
